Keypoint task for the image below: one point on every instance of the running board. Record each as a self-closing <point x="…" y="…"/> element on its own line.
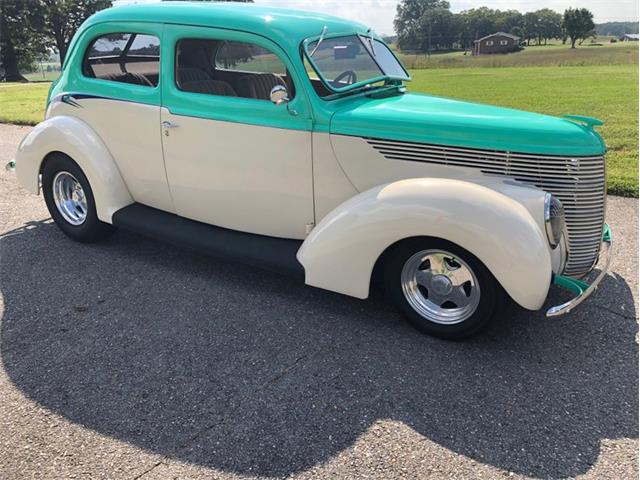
<point x="260" y="251"/>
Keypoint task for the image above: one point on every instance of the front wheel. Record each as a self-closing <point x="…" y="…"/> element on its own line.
<point x="70" y="201"/>
<point x="442" y="289"/>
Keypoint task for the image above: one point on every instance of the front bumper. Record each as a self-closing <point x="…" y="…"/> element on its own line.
<point x="580" y="288"/>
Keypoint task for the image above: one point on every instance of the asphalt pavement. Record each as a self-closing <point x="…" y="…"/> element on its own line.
<point x="134" y="359"/>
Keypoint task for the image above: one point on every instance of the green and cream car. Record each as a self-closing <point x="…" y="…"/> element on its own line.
<point x="287" y="140"/>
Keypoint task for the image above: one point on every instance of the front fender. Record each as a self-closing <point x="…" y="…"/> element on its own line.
<point x="340" y="253"/>
<point x="76" y="139"/>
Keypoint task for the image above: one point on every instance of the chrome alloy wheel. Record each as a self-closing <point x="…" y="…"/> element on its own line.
<point x="69" y="198"/>
<point x="440" y="286"/>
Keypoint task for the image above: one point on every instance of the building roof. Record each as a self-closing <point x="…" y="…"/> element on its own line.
<point x="635" y="36"/>
<point x="499" y="34"/>
<point x="288" y="26"/>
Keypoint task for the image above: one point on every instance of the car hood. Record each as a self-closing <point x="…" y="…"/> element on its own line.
<point x="442" y="121"/>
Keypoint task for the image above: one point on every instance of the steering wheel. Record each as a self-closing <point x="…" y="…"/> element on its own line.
<point x="349" y="75"/>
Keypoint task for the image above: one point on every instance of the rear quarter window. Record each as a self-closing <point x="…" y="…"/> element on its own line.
<point x="132" y="58"/>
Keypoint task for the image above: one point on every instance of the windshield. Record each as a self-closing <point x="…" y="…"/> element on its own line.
<point x="354" y="59"/>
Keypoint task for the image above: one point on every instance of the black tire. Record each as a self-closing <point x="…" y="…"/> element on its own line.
<point x="490" y="290"/>
<point x="91" y="229"/>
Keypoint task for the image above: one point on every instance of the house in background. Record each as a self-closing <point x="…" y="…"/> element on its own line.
<point x="630" y="37"/>
<point x="499" y="42"/>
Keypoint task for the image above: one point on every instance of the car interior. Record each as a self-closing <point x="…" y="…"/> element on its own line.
<point x="127" y="58"/>
<point x="226" y="68"/>
<point x="214" y="67"/>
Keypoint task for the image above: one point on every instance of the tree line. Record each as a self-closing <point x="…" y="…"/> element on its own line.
<point x="616" y="29"/>
<point x="426" y="25"/>
<point x="30" y="28"/>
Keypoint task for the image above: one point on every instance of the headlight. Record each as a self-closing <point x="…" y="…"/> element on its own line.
<point x="553" y="219"/>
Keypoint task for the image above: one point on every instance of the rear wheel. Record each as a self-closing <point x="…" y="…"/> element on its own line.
<point x="70" y="201"/>
<point x="442" y="289"/>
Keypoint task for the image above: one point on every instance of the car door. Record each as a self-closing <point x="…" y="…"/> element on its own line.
<point x="233" y="158"/>
<point x="116" y="91"/>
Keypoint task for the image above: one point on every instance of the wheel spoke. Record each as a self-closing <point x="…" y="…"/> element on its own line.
<point x="459" y="297"/>
<point x="435" y="298"/>
<point x="460" y="276"/>
<point x="423" y="277"/>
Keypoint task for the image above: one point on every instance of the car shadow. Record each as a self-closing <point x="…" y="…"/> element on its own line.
<point x="230" y="367"/>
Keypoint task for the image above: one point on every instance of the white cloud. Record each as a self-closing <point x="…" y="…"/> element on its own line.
<point x="379" y="14"/>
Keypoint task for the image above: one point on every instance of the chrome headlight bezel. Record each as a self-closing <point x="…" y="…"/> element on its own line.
<point x="554" y="221"/>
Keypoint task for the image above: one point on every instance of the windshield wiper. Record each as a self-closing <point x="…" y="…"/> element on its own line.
<point x="324" y="30"/>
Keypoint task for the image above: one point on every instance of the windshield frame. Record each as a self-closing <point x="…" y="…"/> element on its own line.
<point x="363" y="38"/>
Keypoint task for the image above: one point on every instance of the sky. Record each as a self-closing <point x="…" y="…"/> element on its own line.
<point x="379" y="13"/>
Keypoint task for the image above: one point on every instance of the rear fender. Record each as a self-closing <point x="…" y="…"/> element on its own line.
<point x="340" y="253"/>
<point x="76" y="139"/>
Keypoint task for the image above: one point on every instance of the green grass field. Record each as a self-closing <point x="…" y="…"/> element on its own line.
<point x="598" y="81"/>
<point x="552" y="55"/>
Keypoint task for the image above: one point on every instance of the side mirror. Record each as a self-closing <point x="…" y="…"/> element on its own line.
<point x="279" y="95"/>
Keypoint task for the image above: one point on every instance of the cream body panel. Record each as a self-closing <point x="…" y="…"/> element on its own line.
<point x="131" y="132"/>
<point x="330" y="184"/>
<point x="243" y="177"/>
<point x="340" y="253"/>
<point x="72" y="136"/>
<point x="367" y="168"/>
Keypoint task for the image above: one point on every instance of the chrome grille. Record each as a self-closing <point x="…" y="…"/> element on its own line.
<point x="578" y="182"/>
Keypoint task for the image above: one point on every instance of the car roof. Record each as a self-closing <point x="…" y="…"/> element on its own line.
<point x="286" y="26"/>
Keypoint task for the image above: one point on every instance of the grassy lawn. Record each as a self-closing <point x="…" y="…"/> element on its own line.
<point x="23" y="103"/>
<point x="551" y="55"/>
<point x="41" y="77"/>
<point x="608" y="92"/>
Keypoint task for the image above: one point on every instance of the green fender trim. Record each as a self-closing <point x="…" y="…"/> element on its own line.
<point x="606" y="235"/>
<point x="575" y="286"/>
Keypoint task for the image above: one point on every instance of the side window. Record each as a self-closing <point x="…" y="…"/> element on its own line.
<point x="248" y="58"/>
<point x="124" y="57"/>
<point x="232" y="69"/>
<point x="489" y="43"/>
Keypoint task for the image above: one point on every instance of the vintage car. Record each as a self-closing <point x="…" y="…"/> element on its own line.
<point x="287" y="140"/>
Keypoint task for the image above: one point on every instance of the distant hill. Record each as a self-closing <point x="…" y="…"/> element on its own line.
<point x="616" y="29"/>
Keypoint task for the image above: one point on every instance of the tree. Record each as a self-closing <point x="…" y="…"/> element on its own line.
<point x="477" y="23"/>
<point x="530" y="26"/>
<point x="408" y="24"/>
<point x="64" y="17"/>
<point x="21" y="38"/>
<point x="438" y="25"/>
<point x="549" y="25"/>
<point x="578" y="24"/>
<point x="509" y="20"/>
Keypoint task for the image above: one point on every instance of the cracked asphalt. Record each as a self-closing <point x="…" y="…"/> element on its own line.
<point x="133" y="359"/>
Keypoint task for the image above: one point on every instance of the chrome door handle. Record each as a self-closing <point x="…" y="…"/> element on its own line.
<point x="166" y="124"/>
